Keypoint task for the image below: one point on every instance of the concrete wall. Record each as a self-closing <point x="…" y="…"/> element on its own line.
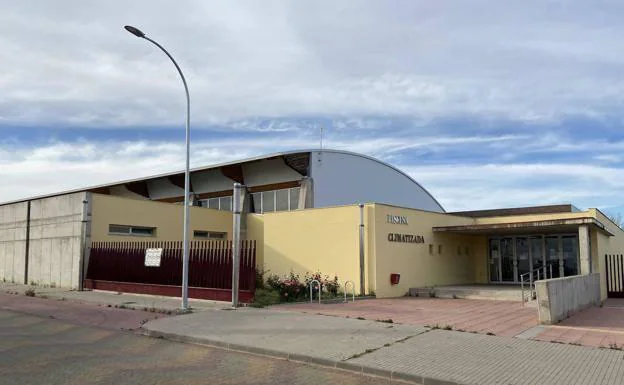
<point x="167" y="218"/>
<point x="56" y="234"/>
<point x="559" y="298"/>
<point x="443" y="259"/>
<point x="13" y="242"/>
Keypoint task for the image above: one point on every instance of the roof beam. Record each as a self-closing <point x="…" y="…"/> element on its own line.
<point x="178" y="181"/>
<point x="139" y="188"/>
<point x="234" y="172"/>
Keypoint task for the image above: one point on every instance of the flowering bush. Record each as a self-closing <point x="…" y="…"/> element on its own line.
<point x="329" y="286"/>
<point x="292" y="288"/>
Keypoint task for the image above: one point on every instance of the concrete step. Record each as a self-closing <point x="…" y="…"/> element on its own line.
<point x="468" y="293"/>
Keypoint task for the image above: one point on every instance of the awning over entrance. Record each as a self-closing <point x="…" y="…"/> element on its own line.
<point x="543" y="226"/>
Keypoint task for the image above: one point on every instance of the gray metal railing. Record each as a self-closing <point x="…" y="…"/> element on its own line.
<point x="528" y="278"/>
<point x="318" y="284"/>
<point x="352" y="291"/>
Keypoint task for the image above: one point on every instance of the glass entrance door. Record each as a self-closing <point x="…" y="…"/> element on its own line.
<point x="510" y="257"/>
<point x="522" y="256"/>
<point x="537" y="255"/>
<point x="507" y="260"/>
<point x="494" y="260"/>
<point x="552" y="256"/>
<point x="570" y="255"/>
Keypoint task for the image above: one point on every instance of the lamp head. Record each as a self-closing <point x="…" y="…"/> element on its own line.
<point x="135" y="31"/>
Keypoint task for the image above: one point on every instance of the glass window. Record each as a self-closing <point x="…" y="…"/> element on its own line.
<point x="131" y="230"/>
<point x="294" y="198"/>
<point x="213" y="203"/>
<point x="570" y="255"/>
<point x="142" y="231"/>
<point x="209" y="234"/>
<point x="257" y="202"/>
<point x="268" y="201"/>
<point x="118" y="229"/>
<point x="225" y="203"/>
<point x="281" y="200"/>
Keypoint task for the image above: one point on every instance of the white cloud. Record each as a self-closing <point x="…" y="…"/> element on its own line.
<point x="71" y="62"/>
<point x="60" y="166"/>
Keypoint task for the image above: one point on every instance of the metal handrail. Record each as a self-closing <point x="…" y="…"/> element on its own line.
<point x="352" y="291"/>
<point x="318" y="284"/>
<point x="531" y="282"/>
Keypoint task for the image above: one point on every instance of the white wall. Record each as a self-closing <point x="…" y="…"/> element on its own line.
<point x="343" y="178"/>
<point x="13" y="242"/>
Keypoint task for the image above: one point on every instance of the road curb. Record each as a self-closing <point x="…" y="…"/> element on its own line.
<point x="301" y="358"/>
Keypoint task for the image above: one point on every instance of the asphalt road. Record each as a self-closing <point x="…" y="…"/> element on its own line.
<point x="37" y="348"/>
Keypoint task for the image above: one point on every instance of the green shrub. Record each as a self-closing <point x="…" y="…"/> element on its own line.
<point x="265" y="297"/>
<point x="30" y="292"/>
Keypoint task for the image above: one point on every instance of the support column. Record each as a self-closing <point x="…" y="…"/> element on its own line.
<point x="584" y="251"/>
<point x="306" y="193"/>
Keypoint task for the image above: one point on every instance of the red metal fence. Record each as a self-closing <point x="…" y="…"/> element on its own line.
<point x="120" y="266"/>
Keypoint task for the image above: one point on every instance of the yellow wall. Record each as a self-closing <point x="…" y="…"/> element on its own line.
<point x="605" y="245"/>
<point x="417" y="266"/>
<point x="166" y="217"/>
<point x="311" y="240"/>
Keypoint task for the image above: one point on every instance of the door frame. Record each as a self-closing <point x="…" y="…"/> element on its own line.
<point x="529" y="236"/>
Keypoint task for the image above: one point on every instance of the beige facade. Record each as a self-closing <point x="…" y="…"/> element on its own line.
<point x="165" y="219"/>
<point x="307" y="241"/>
<point x="425" y="248"/>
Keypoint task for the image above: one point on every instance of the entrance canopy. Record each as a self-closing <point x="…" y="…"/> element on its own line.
<point x="550" y="226"/>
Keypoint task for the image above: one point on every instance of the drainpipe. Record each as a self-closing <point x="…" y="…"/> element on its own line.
<point x="27" y="247"/>
<point x="362" y="279"/>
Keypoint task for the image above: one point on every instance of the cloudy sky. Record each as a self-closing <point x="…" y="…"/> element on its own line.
<point x="485" y="103"/>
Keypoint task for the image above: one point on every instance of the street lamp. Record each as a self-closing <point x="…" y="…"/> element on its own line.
<point x="185" y="258"/>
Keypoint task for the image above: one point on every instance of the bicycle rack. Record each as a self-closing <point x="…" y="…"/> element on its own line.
<point x="318" y="284"/>
<point x="352" y="291"/>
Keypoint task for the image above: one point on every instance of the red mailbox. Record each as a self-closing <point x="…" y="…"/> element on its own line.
<point x="394" y="278"/>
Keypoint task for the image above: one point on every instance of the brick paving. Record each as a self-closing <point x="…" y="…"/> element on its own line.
<point x="36" y="350"/>
<point x="597" y="326"/>
<point x="502" y="318"/>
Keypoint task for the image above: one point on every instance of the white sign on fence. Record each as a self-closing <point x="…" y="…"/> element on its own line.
<point x="152" y="257"/>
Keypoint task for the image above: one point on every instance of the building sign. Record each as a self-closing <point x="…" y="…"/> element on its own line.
<point x="152" y="257"/>
<point x="406" y="238"/>
<point x="396" y="219"/>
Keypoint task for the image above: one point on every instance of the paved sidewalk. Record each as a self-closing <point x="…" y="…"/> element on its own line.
<point x="319" y="339"/>
<point x="502" y="318"/>
<point x="405" y="352"/>
<point x="105" y="298"/>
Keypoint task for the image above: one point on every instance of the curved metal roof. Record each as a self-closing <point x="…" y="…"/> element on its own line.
<point x="215" y="166"/>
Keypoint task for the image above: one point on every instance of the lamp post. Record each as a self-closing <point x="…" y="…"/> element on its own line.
<point x="185" y="257"/>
